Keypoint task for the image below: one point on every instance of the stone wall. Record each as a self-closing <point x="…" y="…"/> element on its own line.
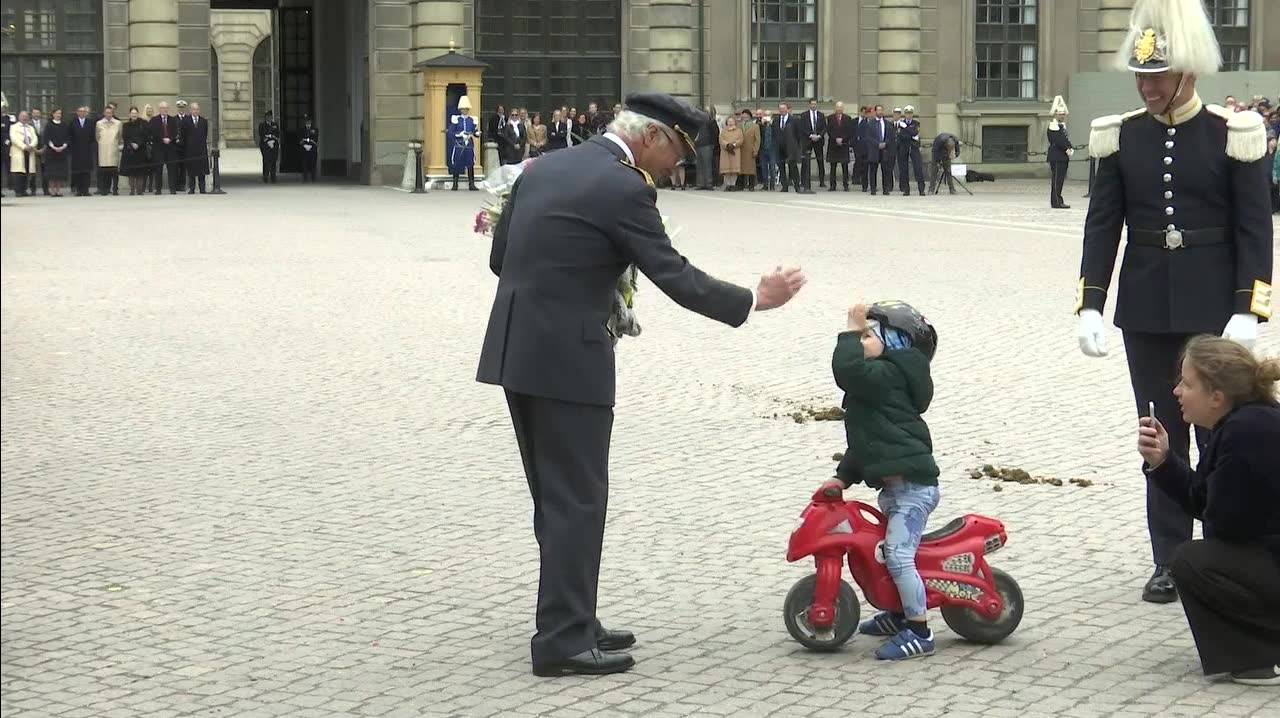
<point x="235" y="35"/>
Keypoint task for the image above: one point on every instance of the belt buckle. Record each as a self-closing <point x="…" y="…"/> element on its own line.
<point x="1172" y="239"/>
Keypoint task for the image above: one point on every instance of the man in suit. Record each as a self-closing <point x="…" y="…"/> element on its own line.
<point x="860" y="175"/>
<point x="84" y="150"/>
<point x="1059" y="153"/>
<point x="164" y="128"/>
<point x="788" y="149"/>
<point x="1189" y="181"/>
<point x="839" y="137"/>
<point x="194" y="131"/>
<point x="813" y="127"/>
<point x="891" y="150"/>
<point x="874" y="140"/>
<point x="574" y="222"/>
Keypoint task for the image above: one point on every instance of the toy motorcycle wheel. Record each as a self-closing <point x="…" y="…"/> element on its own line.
<point x="974" y="626"/>
<point x="795" y="613"/>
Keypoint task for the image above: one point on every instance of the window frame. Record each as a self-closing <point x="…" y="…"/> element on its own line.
<point x="1005" y="49"/>
<point x="19" y="53"/>
<point x="783" y="34"/>
<point x="1233" y="33"/>
<point x="994" y="152"/>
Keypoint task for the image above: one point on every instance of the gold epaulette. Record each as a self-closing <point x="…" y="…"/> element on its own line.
<point x="1104" y="133"/>
<point x="629" y="163"/>
<point x="1246" y="133"/>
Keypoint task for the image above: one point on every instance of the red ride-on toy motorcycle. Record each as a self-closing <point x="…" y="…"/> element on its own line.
<point x="980" y="603"/>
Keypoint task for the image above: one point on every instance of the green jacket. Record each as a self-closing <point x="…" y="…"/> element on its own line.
<point x="883" y="401"/>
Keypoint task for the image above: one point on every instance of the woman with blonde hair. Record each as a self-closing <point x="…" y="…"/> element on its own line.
<point x="1230" y="580"/>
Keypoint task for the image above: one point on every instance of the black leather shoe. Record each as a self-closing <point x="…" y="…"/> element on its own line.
<point x="590" y="663"/>
<point x="607" y="640"/>
<point x="1160" y="587"/>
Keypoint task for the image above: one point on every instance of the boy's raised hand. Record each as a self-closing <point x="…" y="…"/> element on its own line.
<point x="858" y="316"/>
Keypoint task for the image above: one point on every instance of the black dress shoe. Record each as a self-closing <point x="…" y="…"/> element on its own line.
<point x="590" y="663"/>
<point x="1064" y="206"/>
<point x="607" y="640"/>
<point x="1160" y="587"/>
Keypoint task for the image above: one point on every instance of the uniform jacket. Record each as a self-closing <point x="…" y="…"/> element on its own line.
<point x="883" y="402"/>
<point x="1177" y="175"/>
<point x="268" y="132"/>
<point x="7" y="121"/>
<point x="1235" y="489"/>
<point x="840" y="127"/>
<point x="1059" y="143"/>
<point x="574" y="221"/>
<point x="908" y="136"/>
<point x="107" y="133"/>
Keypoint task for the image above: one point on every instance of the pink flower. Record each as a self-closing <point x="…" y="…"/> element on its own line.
<point x="482" y="222"/>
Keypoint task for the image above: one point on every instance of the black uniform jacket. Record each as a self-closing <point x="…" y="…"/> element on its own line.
<point x="1174" y="172"/>
<point x="573" y="223"/>
<point x="1059" y="143"/>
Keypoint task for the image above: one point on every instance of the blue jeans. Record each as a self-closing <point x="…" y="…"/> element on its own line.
<point x="907" y="507"/>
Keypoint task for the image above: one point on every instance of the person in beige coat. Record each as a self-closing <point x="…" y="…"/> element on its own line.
<point x="23" y="139"/>
<point x="750" y="150"/>
<point x="731" y="153"/>
<point x="107" y="133"/>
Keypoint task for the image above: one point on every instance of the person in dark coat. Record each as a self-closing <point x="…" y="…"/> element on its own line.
<point x="946" y="148"/>
<point x="706" y="146"/>
<point x="860" y="175"/>
<point x="1229" y="580"/>
<point x="788" y="144"/>
<point x="133" y="161"/>
<point x="840" y="131"/>
<point x="1059" y="153"/>
<point x="574" y="222"/>
<point x="6" y="122"/>
<point x="269" y="146"/>
<point x="195" y="148"/>
<point x="84" y="151"/>
<point x="813" y="131"/>
<point x="310" y="143"/>
<point x="516" y="137"/>
<point x="909" y="160"/>
<point x="57" y="152"/>
<point x="875" y="139"/>
<point x="1189" y="181"/>
<point x="164" y="149"/>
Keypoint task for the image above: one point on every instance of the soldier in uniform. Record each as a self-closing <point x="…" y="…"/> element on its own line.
<point x="1189" y="181"/>
<point x="462" y="154"/>
<point x="575" y="220"/>
<point x="310" y="142"/>
<point x="1060" y="152"/>
<point x="6" y="122"/>
<point x="269" y="145"/>
<point x="909" y="152"/>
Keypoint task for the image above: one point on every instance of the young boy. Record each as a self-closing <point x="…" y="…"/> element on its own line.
<point x="882" y="364"/>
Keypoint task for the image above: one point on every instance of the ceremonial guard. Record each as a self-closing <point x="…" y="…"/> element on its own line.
<point x="574" y="222"/>
<point x="6" y="122"/>
<point x="310" y="142"/>
<point x="463" y="132"/>
<point x="1190" y="183"/>
<point x="269" y="145"/>
<point x="909" y="152"/>
<point x="1060" y="152"/>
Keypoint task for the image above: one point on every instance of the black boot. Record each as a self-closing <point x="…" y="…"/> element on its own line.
<point x="455" y="181"/>
<point x="1160" y="587"/>
<point x="471" y="178"/>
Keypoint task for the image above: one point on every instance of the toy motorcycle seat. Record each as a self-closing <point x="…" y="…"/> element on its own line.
<point x="951" y="527"/>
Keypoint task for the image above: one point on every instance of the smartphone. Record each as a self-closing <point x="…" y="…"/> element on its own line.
<point x="1151" y="409"/>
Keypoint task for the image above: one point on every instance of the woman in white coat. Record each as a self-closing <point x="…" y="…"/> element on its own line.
<point x="23" y="139"/>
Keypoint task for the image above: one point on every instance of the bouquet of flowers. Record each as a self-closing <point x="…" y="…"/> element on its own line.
<point x="622" y="318"/>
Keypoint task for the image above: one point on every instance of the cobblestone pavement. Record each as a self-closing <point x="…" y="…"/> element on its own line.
<point x="247" y="471"/>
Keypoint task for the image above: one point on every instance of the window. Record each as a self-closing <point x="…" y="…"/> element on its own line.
<point x="52" y="54"/>
<point x="1004" y="144"/>
<point x="1006" y="50"/>
<point x="1230" y="20"/>
<point x="546" y="53"/>
<point x="784" y="49"/>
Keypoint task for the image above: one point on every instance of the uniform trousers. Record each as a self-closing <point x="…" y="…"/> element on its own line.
<point x="1057" y="176"/>
<point x="565" y="449"/>
<point x="1231" y="595"/>
<point x="1153" y="371"/>
<point x="909" y="159"/>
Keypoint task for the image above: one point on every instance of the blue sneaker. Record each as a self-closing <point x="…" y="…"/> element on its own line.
<point x="906" y="645"/>
<point x="884" y="623"/>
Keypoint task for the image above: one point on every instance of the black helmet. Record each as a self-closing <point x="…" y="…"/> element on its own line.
<point x="906" y="319"/>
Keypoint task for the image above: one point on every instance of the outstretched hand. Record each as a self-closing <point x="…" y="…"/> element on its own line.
<point x="1153" y="441"/>
<point x="778" y="287"/>
<point x="858" y="317"/>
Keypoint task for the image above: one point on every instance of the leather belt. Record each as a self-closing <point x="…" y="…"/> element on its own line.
<point x="1180" y="238"/>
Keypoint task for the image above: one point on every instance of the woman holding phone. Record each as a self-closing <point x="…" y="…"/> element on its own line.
<point x="1229" y="581"/>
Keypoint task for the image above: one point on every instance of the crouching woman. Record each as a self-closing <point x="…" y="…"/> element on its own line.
<point x="1230" y="580"/>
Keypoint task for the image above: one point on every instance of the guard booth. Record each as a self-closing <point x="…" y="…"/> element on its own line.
<point x="445" y="79"/>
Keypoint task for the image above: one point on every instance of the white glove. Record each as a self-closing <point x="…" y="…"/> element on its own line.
<point x="1242" y="328"/>
<point x="1092" y="335"/>
<point x="1070" y="151"/>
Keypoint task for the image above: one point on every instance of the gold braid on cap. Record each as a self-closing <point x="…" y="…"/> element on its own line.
<point x="685" y="135"/>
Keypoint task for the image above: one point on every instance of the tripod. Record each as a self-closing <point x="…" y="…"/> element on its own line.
<point x="943" y="171"/>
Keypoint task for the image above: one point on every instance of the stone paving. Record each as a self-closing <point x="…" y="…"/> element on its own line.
<point x="247" y="471"/>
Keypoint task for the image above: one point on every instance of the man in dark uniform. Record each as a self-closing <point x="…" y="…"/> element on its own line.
<point x="1189" y="182"/>
<point x="310" y="142"/>
<point x="269" y="145"/>
<point x="1059" y="153"/>
<point x="909" y="152"/>
<point x="6" y="122"/>
<point x="574" y="222"/>
<point x="181" y="165"/>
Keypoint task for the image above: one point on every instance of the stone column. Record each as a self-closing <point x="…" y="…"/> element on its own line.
<point x="436" y="23"/>
<point x="236" y="34"/>
<point x="1113" y="25"/>
<point x="153" y="51"/>
<point x="898" y="81"/>
<point x="672" y="35"/>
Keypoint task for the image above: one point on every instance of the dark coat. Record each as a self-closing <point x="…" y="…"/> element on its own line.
<point x="269" y="132"/>
<point x="810" y="127"/>
<point x="939" y="148"/>
<point x="84" y="144"/>
<point x="56" y="164"/>
<point x="135" y="135"/>
<point x="1059" y="143"/>
<point x="786" y="140"/>
<point x="558" y="134"/>
<point x="573" y="223"/>
<point x="516" y="140"/>
<point x="907" y="136"/>
<point x="161" y="152"/>
<point x="1235" y="489"/>
<point x="842" y="128"/>
<point x="874" y="131"/>
<point x="1191" y="290"/>
<point x="194" y="132"/>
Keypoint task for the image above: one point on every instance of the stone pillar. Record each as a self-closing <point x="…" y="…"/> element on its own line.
<point x="153" y="51"/>
<point x="1113" y="25"/>
<point x="672" y="34"/>
<point x="899" y="54"/>
<point x="236" y="34"/>
<point x="437" y="23"/>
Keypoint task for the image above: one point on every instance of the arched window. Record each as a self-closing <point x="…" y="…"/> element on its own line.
<point x="264" y="86"/>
